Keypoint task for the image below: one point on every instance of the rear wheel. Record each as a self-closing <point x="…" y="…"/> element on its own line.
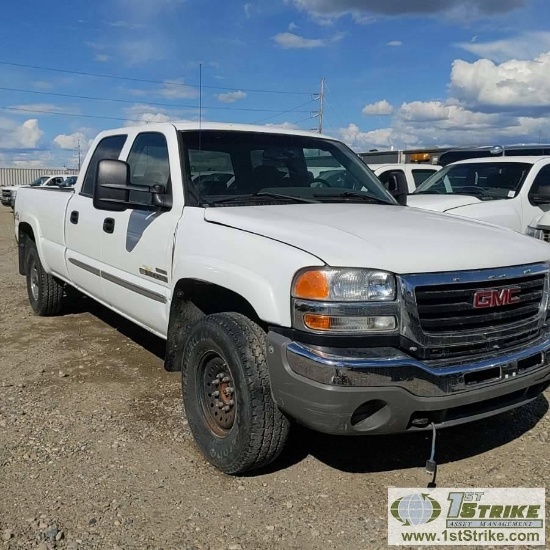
<point x="227" y="396"/>
<point x="45" y="292"/>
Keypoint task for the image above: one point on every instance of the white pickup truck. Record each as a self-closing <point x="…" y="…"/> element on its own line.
<point x="508" y="191"/>
<point x="414" y="174"/>
<point x="281" y="297"/>
<point x="9" y="193"/>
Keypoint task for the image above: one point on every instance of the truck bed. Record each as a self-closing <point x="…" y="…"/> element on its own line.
<point x="49" y="206"/>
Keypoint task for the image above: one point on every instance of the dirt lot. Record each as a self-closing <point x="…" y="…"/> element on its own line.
<point x="94" y="451"/>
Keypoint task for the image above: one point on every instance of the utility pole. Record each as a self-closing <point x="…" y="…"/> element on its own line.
<point x="321" y="106"/>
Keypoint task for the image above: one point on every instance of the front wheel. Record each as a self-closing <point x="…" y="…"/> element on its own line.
<point x="45" y="292"/>
<point x="227" y="395"/>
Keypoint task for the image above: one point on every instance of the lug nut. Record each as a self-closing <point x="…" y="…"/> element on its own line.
<point x="226" y="408"/>
<point x="215" y="394"/>
<point x="219" y="404"/>
<point x="226" y="379"/>
<point x="216" y="382"/>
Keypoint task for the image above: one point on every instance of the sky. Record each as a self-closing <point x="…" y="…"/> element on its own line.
<point x="398" y="73"/>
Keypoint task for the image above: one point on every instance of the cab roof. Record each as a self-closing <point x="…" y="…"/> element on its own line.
<point x="514" y="159"/>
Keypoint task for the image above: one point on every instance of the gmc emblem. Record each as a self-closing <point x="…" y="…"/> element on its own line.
<point x="496" y="297"/>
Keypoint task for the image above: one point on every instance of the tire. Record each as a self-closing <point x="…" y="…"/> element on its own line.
<point x="251" y="433"/>
<point x="45" y="292"/>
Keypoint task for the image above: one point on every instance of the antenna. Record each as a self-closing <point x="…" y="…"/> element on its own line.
<point x="79" y="154"/>
<point x="200" y="104"/>
<point x="321" y="106"/>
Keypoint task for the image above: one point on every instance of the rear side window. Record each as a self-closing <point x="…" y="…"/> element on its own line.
<point x="420" y="175"/>
<point x="108" y="148"/>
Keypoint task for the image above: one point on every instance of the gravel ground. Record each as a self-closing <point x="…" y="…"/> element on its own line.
<point x="95" y="452"/>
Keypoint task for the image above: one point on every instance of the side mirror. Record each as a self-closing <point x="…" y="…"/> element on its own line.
<point x="112" y="189"/>
<point x="398" y="188"/>
<point x="112" y="185"/>
<point x="542" y="196"/>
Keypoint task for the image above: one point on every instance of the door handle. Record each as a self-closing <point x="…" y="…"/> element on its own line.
<point x="108" y="225"/>
<point x="74" y="217"/>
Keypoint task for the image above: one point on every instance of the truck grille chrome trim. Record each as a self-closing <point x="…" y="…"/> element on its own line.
<point x="438" y="309"/>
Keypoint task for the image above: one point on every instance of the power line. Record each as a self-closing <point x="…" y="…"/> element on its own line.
<point x="116" y="100"/>
<point x="284" y="112"/>
<point x="67" y="114"/>
<point x="303" y="119"/>
<point x="149" y="81"/>
<point x="59" y="113"/>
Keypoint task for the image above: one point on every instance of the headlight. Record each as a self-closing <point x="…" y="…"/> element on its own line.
<point x="536" y="233"/>
<point x="345" y="301"/>
<point x="344" y="285"/>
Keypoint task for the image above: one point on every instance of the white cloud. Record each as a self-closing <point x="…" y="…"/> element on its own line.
<point x="292" y="26"/>
<point x="43" y="84"/>
<point x="466" y="9"/>
<point x="357" y="139"/>
<point x="248" y="9"/>
<point x="101" y="57"/>
<point x="231" y="97"/>
<point x="509" y="86"/>
<point x="288" y="40"/>
<point x="43" y="108"/>
<point x="394" y="43"/>
<point x="379" y="108"/>
<point x="15" y="136"/>
<point x="524" y="46"/>
<point x="176" y="89"/>
<point x="141" y="113"/>
<point x="125" y="25"/>
<point x="141" y="51"/>
<point x="285" y="125"/>
<point x="71" y="142"/>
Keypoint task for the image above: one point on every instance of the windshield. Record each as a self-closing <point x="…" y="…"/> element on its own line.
<point x="39" y="181"/>
<point x="484" y="180"/>
<point x="234" y="168"/>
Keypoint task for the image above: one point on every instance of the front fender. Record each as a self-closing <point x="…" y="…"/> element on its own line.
<point x="255" y="267"/>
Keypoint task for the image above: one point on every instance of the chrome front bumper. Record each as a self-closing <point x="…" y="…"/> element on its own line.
<point x="383" y="390"/>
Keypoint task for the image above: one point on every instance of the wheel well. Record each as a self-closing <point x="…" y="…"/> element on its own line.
<point x="192" y="300"/>
<point x="25" y="234"/>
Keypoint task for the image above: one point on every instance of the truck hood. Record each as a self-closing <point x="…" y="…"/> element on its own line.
<point x="394" y="238"/>
<point x="441" y="203"/>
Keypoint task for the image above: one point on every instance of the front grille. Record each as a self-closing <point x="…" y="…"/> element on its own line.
<point x="6" y="193"/>
<point x="546" y="235"/>
<point x="469" y="352"/>
<point x="449" y="308"/>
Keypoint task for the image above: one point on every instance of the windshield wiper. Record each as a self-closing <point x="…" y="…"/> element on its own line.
<point x="259" y="195"/>
<point x="352" y="195"/>
<point x="283" y="196"/>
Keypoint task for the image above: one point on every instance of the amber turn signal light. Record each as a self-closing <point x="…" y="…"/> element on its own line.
<point x="312" y="285"/>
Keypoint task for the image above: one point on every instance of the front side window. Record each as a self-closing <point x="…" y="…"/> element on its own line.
<point x="484" y="180"/>
<point x="241" y="167"/>
<point x="108" y="148"/>
<point x="149" y="164"/>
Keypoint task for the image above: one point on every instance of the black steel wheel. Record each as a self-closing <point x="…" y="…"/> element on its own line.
<point x="45" y="291"/>
<point x="227" y="396"/>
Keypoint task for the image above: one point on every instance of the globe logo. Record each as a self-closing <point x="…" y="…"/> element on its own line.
<point x="415" y="509"/>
